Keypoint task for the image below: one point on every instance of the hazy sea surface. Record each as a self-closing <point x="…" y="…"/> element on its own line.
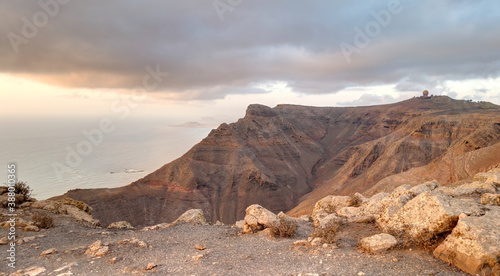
<point x="134" y="149"/>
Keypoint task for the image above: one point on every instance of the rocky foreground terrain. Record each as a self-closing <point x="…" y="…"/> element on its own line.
<point x="425" y="229"/>
<point x="288" y="157"/>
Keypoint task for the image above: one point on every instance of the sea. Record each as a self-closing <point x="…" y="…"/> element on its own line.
<point x="53" y="155"/>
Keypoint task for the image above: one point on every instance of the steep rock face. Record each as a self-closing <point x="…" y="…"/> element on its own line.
<point x="288" y="157"/>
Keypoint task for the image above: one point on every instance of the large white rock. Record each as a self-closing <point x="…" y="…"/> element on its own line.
<point x="258" y="218"/>
<point x="378" y="243"/>
<point x="474" y="244"/>
<point x="328" y="205"/>
<point x="193" y="216"/>
<point x="429" y="214"/>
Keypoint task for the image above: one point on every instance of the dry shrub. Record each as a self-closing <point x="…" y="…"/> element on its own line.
<point x="22" y="188"/>
<point x="43" y="220"/>
<point x="327" y="233"/>
<point x="284" y="228"/>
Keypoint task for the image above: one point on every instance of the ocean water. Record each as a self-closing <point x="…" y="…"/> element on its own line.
<point x="40" y="147"/>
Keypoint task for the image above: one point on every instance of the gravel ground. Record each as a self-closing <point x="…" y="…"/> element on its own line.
<point x="227" y="252"/>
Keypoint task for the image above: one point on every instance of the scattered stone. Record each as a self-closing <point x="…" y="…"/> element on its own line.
<point x="3" y="240"/>
<point x="97" y="249"/>
<point x="151" y="266"/>
<point x="300" y="243"/>
<point x="65" y="267"/>
<point x="31" y="228"/>
<point x="48" y="252"/>
<point x="378" y="243"/>
<point x="218" y="223"/>
<point x="493" y="199"/>
<point x="474" y="244"/>
<point x="135" y="241"/>
<point x="32" y="271"/>
<point x="200" y="246"/>
<point x="197" y="257"/>
<point x="316" y="242"/>
<point x="121" y="225"/>
<point x="113" y="260"/>
<point x="26" y="239"/>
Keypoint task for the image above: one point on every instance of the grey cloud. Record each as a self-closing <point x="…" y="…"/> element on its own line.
<point x="96" y="44"/>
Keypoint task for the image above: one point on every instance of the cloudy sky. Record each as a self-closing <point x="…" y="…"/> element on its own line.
<point x="201" y="62"/>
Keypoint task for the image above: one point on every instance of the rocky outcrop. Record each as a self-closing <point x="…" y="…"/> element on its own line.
<point x="474" y="244"/>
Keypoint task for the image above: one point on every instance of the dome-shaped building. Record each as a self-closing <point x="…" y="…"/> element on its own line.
<point x="425" y="94"/>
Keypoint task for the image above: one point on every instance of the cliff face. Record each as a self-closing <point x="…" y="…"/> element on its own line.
<point x="286" y="158"/>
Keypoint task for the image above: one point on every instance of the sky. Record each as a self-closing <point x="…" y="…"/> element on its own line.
<point x="198" y="63"/>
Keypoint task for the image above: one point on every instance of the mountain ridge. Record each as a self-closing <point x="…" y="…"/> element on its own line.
<point x="287" y="157"/>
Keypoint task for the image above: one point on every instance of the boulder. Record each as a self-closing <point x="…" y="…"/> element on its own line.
<point x="474" y="244"/>
<point x="392" y="203"/>
<point x="429" y="214"/>
<point x="121" y="225"/>
<point x="193" y="216"/>
<point x="329" y="205"/>
<point x="378" y="243"/>
<point x="258" y="218"/>
<point x="493" y="199"/>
